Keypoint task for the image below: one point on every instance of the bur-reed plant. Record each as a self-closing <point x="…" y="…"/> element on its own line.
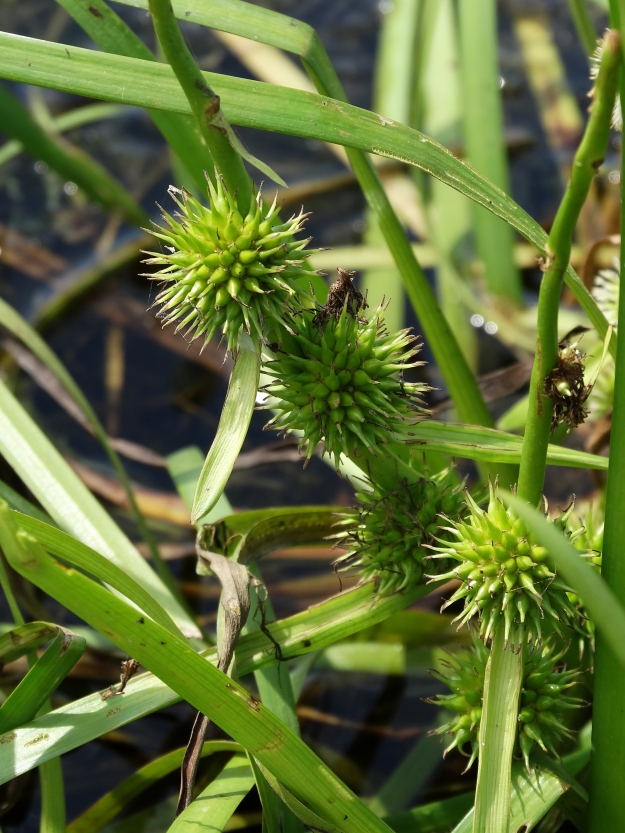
<point x="234" y="267"/>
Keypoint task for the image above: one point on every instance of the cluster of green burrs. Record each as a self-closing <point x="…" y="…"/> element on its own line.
<point x="543" y="700"/>
<point x="225" y="272"/>
<point x="464" y="674"/>
<point x="386" y="534"/>
<point x="339" y="380"/>
<point x="505" y="572"/>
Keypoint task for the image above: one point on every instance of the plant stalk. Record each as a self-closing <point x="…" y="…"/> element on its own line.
<point x="587" y="160"/>
<point x="607" y="798"/>
<point x="493" y="784"/>
<point x="204" y="103"/>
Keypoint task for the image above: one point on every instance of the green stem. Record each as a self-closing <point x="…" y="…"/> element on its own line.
<point x="204" y="103"/>
<point x="588" y="158"/>
<point x="502" y="687"/>
<point x="584" y="25"/>
<point x="607" y="799"/>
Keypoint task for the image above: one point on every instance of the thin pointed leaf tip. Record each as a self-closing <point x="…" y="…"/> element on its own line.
<point x="226" y="273"/>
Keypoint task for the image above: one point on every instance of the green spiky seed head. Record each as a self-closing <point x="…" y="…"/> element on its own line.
<point x="505" y="573"/>
<point x="225" y="272"/>
<point x="543" y="700"/>
<point x="387" y="534"/>
<point x="339" y="380"/>
<point x="464" y="674"/>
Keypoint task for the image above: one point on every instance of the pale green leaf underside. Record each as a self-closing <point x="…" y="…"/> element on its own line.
<point x="231" y="432"/>
<point x="267" y="107"/>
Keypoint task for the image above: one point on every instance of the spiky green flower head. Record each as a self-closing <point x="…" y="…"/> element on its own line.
<point x="543" y="700"/>
<point x="225" y="272"/>
<point x="505" y="573"/>
<point x="338" y="379"/>
<point x="387" y="534"/>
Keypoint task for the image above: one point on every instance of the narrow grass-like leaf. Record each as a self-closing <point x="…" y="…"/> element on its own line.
<point x="88" y="718"/>
<point x="43" y="678"/>
<point x="11" y="320"/>
<point x="77" y="117"/>
<point x="484" y="141"/>
<point x="477" y="443"/>
<point x="278" y="109"/>
<point x="498" y="728"/>
<point x="106" y="808"/>
<point x="20" y="504"/>
<point x="233" y="424"/>
<point x="34" y="458"/>
<point x="53" y="817"/>
<point x="599" y="600"/>
<point x="217" y="696"/>
<point x="70" y="162"/>
<point x="215" y="805"/>
<point x="79" y="555"/>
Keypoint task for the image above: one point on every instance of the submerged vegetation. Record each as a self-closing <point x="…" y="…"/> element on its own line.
<point x="447" y="507"/>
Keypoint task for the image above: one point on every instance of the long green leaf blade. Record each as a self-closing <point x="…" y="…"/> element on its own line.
<point x="477" y="443"/>
<point x="217" y="696"/>
<point x="34" y="458"/>
<point x="277" y="109"/>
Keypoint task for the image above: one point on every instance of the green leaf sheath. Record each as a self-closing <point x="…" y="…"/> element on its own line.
<point x="204" y="102"/>
<point x="265" y="107"/>
<point x="498" y="729"/>
<point x="607" y="799"/>
<point x="233" y="424"/>
<point x="484" y="142"/>
<point x="70" y="162"/>
<point x="587" y="160"/>
<point x="262" y="734"/>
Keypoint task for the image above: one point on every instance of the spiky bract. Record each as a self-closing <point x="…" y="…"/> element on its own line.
<point x="225" y="272"/>
<point x="505" y="573"/>
<point x="386" y="534"/>
<point x="339" y="381"/>
<point x="543" y="700"/>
